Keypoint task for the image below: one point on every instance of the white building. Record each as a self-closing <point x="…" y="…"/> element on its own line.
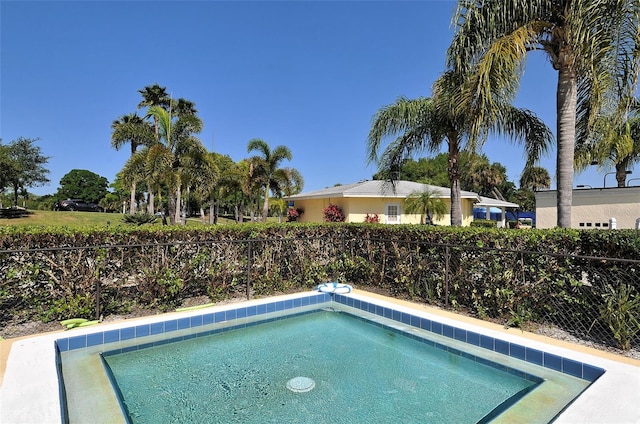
<point x="592" y="208"/>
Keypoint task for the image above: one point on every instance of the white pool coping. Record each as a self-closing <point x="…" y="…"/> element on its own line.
<point x="29" y="391"/>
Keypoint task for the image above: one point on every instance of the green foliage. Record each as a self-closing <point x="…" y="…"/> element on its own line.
<point x="161" y="287"/>
<point x="426" y="203"/>
<point x="519" y="317"/>
<point x="140" y="218"/>
<point x="82" y="184"/>
<point x="517" y="277"/>
<point x="484" y="223"/>
<point x="621" y="311"/>
<point x="79" y="306"/>
<point x="22" y="165"/>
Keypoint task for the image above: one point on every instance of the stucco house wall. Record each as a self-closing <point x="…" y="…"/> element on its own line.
<point x="592" y="208"/>
<point x="358" y="200"/>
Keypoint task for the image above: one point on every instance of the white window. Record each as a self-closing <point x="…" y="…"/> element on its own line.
<point x="393" y="213"/>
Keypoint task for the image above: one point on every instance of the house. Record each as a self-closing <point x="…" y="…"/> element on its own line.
<point x="377" y="197"/>
<point x="593" y="208"/>
<point x="489" y="204"/>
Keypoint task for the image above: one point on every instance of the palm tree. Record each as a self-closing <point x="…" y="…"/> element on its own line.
<point x="424" y="124"/>
<point x="154" y="95"/>
<point x="535" y="178"/>
<point x="613" y="145"/>
<point x="593" y="46"/>
<point x="425" y="202"/>
<point x="481" y="176"/>
<point x="178" y="147"/>
<point x="133" y="173"/>
<point x="133" y="130"/>
<point x="266" y="169"/>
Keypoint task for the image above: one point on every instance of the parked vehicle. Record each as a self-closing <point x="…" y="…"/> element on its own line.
<point x="77" y="205"/>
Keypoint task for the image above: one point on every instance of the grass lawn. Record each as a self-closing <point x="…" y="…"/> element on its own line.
<point x="76" y="219"/>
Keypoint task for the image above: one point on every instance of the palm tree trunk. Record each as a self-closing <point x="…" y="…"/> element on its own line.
<point x="621" y="173"/>
<point x="171" y="207"/>
<point x="454" y="178"/>
<point x="132" y="200"/>
<point x="212" y="209"/>
<point x="178" y="201"/>
<point x="566" y="128"/>
<point x="265" y="208"/>
<point x="150" y="205"/>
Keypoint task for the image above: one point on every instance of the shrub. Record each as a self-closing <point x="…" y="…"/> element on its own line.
<point x="372" y="219"/>
<point x="140" y="219"/>
<point x="294" y="214"/>
<point x="484" y="223"/>
<point x="333" y="213"/>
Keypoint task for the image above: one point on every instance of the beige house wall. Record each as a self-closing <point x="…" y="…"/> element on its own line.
<point x="592" y="208"/>
<point x="356" y="209"/>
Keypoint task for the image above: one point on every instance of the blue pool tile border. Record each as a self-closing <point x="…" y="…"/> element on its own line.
<point x="567" y="366"/>
<point x="127" y="333"/>
<point x="534" y="356"/>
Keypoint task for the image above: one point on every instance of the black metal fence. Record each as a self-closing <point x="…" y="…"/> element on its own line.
<point x="596" y="300"/>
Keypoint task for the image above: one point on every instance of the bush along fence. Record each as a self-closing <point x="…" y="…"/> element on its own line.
<point x="576" y="284"/>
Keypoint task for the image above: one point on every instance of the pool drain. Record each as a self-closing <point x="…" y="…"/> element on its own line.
<point x="301" y="384"/>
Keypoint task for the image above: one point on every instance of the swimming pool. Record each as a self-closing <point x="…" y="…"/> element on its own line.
<point x="348" y="370"/>
<point x="80" y="347"/>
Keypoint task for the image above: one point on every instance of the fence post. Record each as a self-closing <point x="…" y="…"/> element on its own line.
<point x="249" y="255"/>
<point x="97" y="262"/>
<point x="97" y="297"/>
<point x="446" y="275"/>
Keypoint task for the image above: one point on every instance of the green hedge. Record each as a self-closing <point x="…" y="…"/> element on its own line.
<point x="515" y="277"/>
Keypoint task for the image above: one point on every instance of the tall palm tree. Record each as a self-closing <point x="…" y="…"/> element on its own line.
<point x="266" y="169"/>
<point x="184" y="107"/>
<point x="424" y="124"/>
<point x="154" y="95"/>
<point x="593" y="45"/>
<point x="427" y="203"/>
<point x="177" y="146"/>
<point x="133" y="130"/>
<point x="133" y="173"/>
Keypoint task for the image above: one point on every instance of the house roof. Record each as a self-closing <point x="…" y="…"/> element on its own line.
<point x="380" y="188"/>
<point x="495" y="203"/>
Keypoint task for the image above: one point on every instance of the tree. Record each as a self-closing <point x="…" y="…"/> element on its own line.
<point x="266" y="171"/>
<point x="425" y="203"/>
<point x="611" y="144"/>
<point x="481" y="176"/>
<point x="82" y="184"/>
<point x="176" y="151"/>
<point x="133" y="130"/>
<point x="431" y="171"/>
<point x="592" y="45"/>
<point x="226" y="186"/>
<point x="154" y="95"/>
<point x="24" y="166"/>
<point x="424" y="124"/>
<point x="535" y="178"/>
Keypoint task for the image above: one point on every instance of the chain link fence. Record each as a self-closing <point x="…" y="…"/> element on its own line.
<point x="591" y="300"/>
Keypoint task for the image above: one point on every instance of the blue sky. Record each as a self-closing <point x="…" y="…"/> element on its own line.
<point x="308" y="75"/>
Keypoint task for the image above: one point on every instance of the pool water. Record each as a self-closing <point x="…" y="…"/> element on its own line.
<point x="320" y="367"/>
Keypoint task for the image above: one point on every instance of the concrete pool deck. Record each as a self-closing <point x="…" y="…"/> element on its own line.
<point x="29" y="390"/>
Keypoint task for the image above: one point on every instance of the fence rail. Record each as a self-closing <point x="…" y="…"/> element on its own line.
<point x="594" y="299"/>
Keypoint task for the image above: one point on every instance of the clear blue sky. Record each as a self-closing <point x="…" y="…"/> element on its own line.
<point x="308" y="75"/>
